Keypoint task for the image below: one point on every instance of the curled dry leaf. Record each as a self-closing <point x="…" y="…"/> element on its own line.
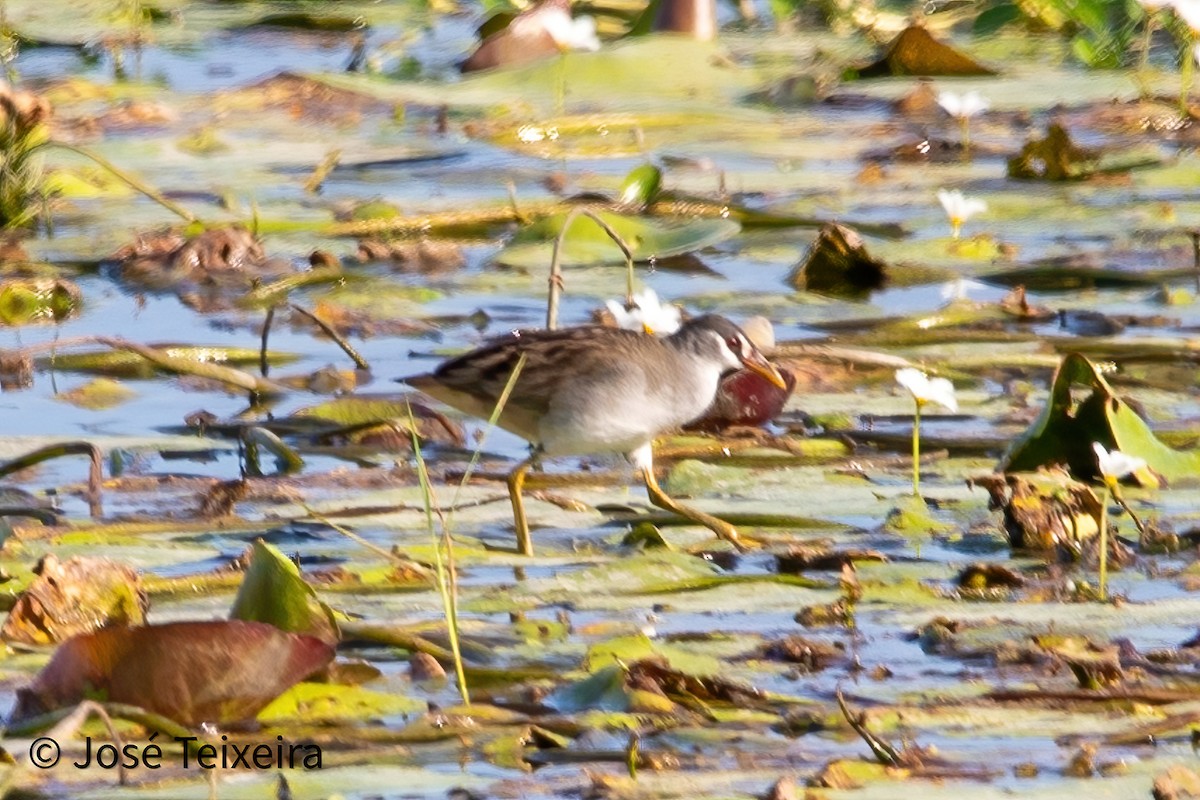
<point x="1043" y="510"/>
<point x="74" y="597"/>
<point x="424" y="667"/>
<point x="25" y="301"/>
<point x="1016" y="304"/>
<point x="916" y="52"/>
<point x="229" y="255"/>
<point x="1177" y="783"/>
<point x="423" y="256"/>
<point x="838" y="264"/>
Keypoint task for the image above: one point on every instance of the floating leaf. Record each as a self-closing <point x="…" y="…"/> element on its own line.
<point x="324" y="703"/>
<point x="124" y="363"/>
<point x="587" y="244"/>
<point x="190" y="672"/>
<point x="31" y="300"/>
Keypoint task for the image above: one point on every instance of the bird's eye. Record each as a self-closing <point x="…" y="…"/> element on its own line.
<point x="735" y="344"/>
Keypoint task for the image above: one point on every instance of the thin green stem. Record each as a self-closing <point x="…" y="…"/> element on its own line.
<point x="916" y="450"/>
<point x="1147" y="40"/>
<point x="135" y="183"/>
<point x="964" y="124"/>
<point x="1103" y="591"/>
<point x="443" y="584"/>
<point x="560" y="86"/>
<point x="556" y="279"/>
<point x="1187" y="71"/>
<point x="497" y="410"/>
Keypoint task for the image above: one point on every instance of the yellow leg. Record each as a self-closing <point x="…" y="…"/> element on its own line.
<point x="516" y="481"/>
<point x="659" y="498"/>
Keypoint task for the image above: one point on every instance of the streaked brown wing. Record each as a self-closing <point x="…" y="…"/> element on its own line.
<point x="474" y="381"/>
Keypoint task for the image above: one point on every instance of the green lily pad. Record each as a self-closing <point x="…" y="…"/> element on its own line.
<point x="328" y="702"/>
<point x="587" y="244"/>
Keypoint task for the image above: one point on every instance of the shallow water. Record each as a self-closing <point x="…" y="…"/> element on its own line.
<point x="804" y="161"/>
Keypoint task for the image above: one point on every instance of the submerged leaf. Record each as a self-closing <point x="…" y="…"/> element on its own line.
<point x="97" y="394"/>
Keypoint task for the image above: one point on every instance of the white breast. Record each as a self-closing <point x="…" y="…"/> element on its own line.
<point x="627" y="407"/>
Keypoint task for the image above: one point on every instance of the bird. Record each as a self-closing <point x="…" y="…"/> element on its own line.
<point x="592" y="389"/>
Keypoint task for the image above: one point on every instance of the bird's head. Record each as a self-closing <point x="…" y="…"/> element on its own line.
<point x="718" y="339"/>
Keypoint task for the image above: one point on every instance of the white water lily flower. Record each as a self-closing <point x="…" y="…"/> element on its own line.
<point x="959" y="208"/>
<point x="927" y="390"/>
<point x="572" y="34"/>
<point x="960" y="288"/>
<point x="1189" y="12"/>
<point x="648" y="314"/>
<point x="1116" y="465"/>
<point x="962" y="106"/>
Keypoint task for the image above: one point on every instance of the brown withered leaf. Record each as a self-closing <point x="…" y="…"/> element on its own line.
<point x="301" y="97"/>
<point x="1017" y="304"/>
<point x="916" y="52"/>
<point x="1177" y="783"/>
<point x="1043" y="510"/>
<point x="657" y="676"/>
<point x="1053" y="158"/>
<point x="838" y="264"/>
<point x="810" y="654"/>
<point x="422" y="256"/>
<point x="192" y="672"/>
<point x="799" y="558"/>
<point x="77" y="596"/>
<point x="225" y="255"/>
